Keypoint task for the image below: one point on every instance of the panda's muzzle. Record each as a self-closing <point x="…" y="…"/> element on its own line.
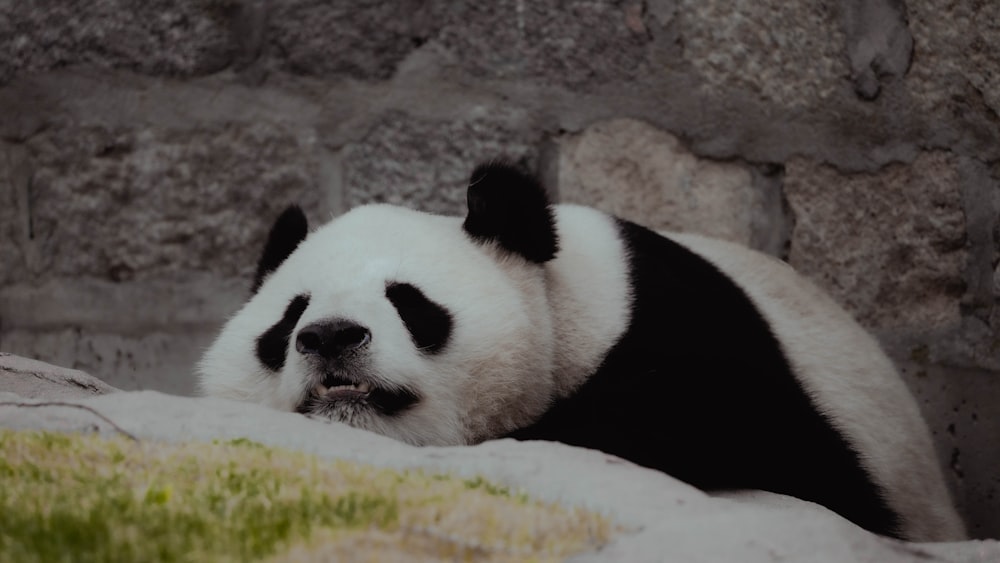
<point x="335" y="347"/>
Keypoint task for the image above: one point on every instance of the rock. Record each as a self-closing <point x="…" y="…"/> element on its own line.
<point x="164" y="37"/>
<point x="662" y="517"/>
<point x="32" y="379"/>
<point x="576" y="44"/>
<point x="131" y="193"/>
<point x="879" y="44"/>
<point x="889" y="246"/>
<point x="425" y="163"/>
<point x="156" y="359"/>
<point x="363" y="40"/>
<point x="955" y="60"/>
<point x="636" y="171"/>
<point x="790" y="53"/>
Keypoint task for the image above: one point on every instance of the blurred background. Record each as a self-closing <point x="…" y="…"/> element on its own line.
<point x="146" y="146"/>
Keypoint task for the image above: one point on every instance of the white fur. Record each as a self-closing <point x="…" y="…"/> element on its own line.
<point x="474" y="389"/>
<point x="849" y="376"/>
<point x="589" y="294"/>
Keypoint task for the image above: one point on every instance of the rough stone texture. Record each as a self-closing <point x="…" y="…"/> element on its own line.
<point x="787" y="52"/>
<point x="426" y="163"/>
<point x="14" y="217"/>
<point x="154" y="37"/>
<point x="628" y="168"/>
<point x="889" y="246"/>
<point x="575" y="43"/>
<point x="131" y="192"/>
<point x="662" y="517"/>
<point x="955" y="47"/>
<point x="365" y="39"/>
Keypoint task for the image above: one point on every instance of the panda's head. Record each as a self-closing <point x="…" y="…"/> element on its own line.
<point x="429" y="329"/>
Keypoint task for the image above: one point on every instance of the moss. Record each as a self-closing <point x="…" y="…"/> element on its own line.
<point x="87" y="498"/>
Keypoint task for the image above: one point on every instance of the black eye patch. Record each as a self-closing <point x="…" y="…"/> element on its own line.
<point x="429" y="324"/>
<point x="272" y="346"/>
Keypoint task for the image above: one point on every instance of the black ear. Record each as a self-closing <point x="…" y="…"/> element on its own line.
<point x="286" y="234"/>
<point x="510" y="208"/>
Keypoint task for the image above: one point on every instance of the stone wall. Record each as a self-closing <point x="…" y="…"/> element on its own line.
<point x="145" y="146"/>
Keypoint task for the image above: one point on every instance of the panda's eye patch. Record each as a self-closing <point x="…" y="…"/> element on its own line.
<point x="272" y="346"/>
<point x="429" y="324"/>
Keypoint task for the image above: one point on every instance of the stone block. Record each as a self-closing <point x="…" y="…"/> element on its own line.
<point x="890" y="246"/>
<point x="425" y="163"/>
<point x="576" y="44"/>
<point x="638" y="172"/>
<point x="119" y="203"/>
<point x="161" y="37"/>
<point x="359" y="39"/>
<point x="790" y="53"/>
<point x="955" y="47"/>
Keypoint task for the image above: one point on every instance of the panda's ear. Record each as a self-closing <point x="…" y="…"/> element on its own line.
<point x="286" y="234"/>
<point x="510" y="208"/>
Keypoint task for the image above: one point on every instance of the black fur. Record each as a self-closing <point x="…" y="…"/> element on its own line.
<point x="331" y="338"/>
<point x="272" y="346"/>
<point x="429" y="323"/>
<point x="699" y="388"/>
<point x="392" y="403"/>
<point x="510" y="208"/>
<point x="288" y="231"/>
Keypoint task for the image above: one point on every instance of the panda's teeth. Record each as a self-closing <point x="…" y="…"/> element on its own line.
<point x="321" y="390"/>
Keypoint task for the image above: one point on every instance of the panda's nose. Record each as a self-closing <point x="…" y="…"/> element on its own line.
<point x="331" y="338"/>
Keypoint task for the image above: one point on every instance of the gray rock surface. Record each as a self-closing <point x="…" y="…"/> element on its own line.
<point x="161" y="37"/>
<point x="128" y="191"/>
<point x="889" y="246"/>
<point x="359" y="39"/>
<point x="787" y="52"/>
<point x="424" y="163"/>
<point x="636" y="171"/>
<point x="32" y="379"/>
<point x="575" y="44"/>
<point x="664" y="518"/>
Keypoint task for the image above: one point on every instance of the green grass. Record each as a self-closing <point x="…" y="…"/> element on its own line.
<point x="67" y="497"/>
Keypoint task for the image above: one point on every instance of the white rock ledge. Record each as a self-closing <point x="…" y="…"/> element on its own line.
<point x="670" y="520"/>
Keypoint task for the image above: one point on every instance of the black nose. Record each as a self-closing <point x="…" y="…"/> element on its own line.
<point x="331" y="339"/>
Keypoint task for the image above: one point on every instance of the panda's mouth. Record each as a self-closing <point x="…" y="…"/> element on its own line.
<point x="342" y="391"/>
<point x="335" y="392"/>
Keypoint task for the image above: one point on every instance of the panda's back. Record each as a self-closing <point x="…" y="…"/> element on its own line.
<point x="718" y="373"/>
<point x="847" y="376"/>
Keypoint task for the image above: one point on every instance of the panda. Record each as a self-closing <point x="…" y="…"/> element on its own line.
<point x="708" y="361"/>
